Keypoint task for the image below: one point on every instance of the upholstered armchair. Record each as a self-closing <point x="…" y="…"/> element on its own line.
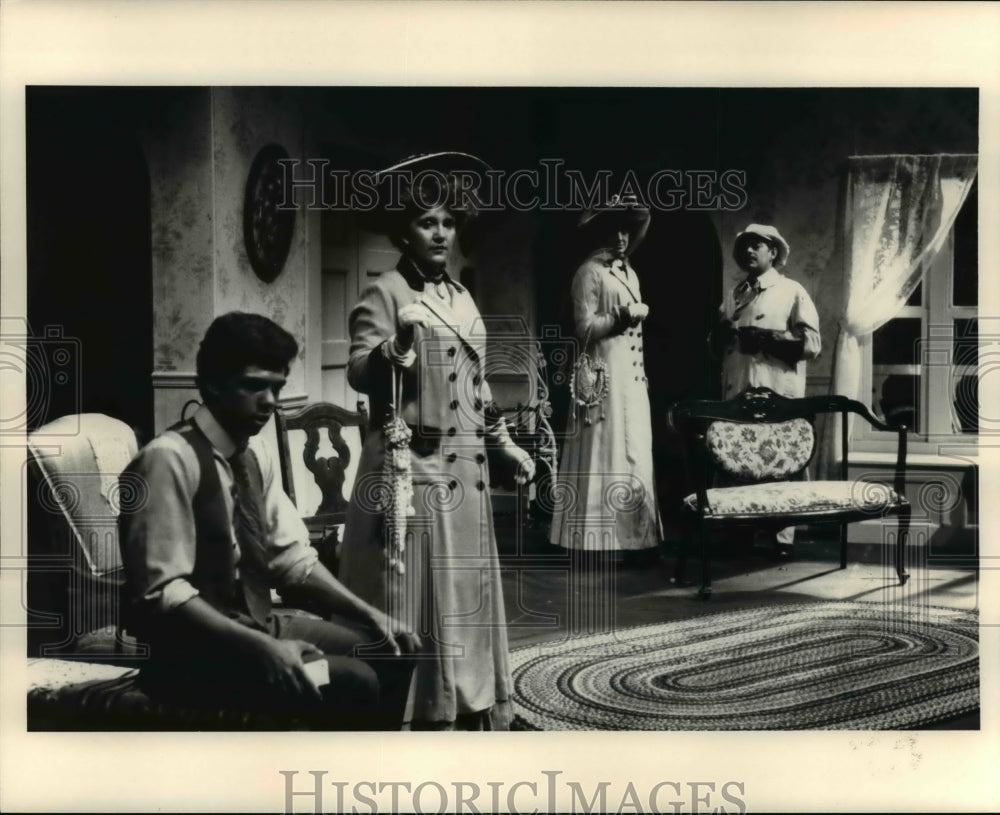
<point x="82" y="668"/>
<point x="74" y="565"/>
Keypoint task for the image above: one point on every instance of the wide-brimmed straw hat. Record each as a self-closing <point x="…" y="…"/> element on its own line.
<point x="768" y="233"/>
<point x="386" y="212"/>
<point x="625" y="211"/>
<point x="447" y="161"/>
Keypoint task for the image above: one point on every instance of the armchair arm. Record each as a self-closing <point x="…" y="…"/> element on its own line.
<point x="899" y="480"/>
<point x="693" y="451"/>
<point x="699" y="472"/>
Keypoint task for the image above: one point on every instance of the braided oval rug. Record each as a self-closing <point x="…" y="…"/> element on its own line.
<point x="816" y="666"/>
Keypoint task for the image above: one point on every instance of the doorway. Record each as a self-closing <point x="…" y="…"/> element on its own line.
<point x="89" y="264"/>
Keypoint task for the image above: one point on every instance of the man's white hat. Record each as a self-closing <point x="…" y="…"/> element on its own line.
<point x="768" y="233"/>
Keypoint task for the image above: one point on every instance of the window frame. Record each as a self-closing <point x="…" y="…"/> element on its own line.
<point x="936" y="368"/>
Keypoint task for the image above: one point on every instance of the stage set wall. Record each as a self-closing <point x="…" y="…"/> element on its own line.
<point x="792" y="145"/>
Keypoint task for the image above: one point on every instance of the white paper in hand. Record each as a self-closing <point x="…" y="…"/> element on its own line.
<point x="318" y="672"/>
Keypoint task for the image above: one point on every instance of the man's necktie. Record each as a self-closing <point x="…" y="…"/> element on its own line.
<point x="744" y="294"/>
<point x="251" y="531"/>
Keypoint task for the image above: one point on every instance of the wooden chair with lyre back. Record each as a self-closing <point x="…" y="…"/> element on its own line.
<point x="321" y="498"/>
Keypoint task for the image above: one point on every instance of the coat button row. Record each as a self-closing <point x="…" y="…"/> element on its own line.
<point x="480" y="486"/>
<point x="454" y="404"/>
<point x="452" y="431"/>
<point x="476" y="380"/>
<point x="451" y="458"/>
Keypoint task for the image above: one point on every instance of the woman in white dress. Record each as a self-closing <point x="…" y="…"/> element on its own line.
<point x="605" y="499"/>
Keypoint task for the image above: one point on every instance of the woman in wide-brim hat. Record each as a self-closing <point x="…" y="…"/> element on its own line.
<point x="606" y="500"/>
<point x="418" y="352"/>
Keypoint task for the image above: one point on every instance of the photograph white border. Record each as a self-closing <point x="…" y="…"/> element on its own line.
<point x="494" y="43"/>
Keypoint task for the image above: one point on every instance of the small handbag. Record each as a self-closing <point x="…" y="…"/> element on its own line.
<point x="589" y="384"/>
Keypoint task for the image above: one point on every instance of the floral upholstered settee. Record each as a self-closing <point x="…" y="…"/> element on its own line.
<point x="744" y="457"/>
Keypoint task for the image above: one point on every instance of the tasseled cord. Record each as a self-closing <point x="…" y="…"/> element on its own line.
<point x="597" y="399"/>
<point x="398" y="477"/>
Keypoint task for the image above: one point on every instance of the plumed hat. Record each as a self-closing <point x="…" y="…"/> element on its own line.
<point x="445" y="162"/>
<point x="392" y="195"/>
<point x="624" y="211"/>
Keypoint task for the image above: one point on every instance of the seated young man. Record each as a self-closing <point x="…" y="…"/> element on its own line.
<point x="213" y="531"/>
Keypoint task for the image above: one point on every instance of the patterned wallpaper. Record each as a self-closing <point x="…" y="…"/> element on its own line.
<point x="199" y="147"/>
<point x="177" y="144"/>
<point x="243" y="121"/>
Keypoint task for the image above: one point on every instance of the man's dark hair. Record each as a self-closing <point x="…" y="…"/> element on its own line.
<point x="238" y="340"/>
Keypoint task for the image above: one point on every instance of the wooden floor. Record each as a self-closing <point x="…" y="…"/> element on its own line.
<point x="550" y="593"/>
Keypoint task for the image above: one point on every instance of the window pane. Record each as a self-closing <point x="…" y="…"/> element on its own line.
<point x="897" y="342"/>
<point x="896" y="399"/>
<point x="965" y="284"/>
<point x="917" y="297"/>
<point x="967" y="403"/>
<point x="965" y="348"/>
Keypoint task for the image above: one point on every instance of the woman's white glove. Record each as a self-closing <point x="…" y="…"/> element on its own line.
<point x="525" y="464"/>
<point x="631" y="314"/>
<point x="408" y="318"/>
<point x="637" y="312"/>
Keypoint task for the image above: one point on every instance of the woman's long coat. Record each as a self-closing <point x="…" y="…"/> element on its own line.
<point x="450" y="592"/>
<point x="606" y="495"/>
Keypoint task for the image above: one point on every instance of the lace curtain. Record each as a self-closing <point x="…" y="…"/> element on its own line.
<point x="900" y="210"/>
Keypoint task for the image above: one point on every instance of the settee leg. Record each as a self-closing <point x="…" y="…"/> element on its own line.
<point x="688" y="532"/>
<point x="902" y="533"/>
<point x="843" y="546"/>
<point x="680" y="567"/>
<point x="705" y="592"/>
